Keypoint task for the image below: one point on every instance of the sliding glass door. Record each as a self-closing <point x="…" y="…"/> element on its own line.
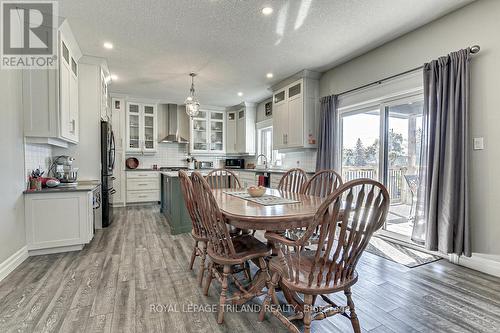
<point x="383" y="142"/>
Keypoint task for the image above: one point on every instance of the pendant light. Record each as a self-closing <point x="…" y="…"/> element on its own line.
<point x="192" y="103"/>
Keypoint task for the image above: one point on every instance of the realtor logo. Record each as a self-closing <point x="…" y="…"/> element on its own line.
<point x="28" y="34"/>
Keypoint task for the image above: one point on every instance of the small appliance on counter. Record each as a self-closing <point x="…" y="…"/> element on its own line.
<point x="235" y="163"/>
<point x="203" y="165"/>
<point x="62" y="169"/>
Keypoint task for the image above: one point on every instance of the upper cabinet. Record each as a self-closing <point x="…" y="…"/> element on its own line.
<point x="51" y="98"/>
<point x="296" y="112"/>
<point x="208" y="132"/>
<point x="240" y="137"/>
<point x="141" y="128"/>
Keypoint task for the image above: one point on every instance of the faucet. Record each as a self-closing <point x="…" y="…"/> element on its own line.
<point x="265" y="160"/>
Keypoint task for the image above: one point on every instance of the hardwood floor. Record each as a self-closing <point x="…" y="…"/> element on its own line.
<point x="111" y="285"/>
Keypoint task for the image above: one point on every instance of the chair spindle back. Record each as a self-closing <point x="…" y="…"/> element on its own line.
<point x="348" y="219"/>
<point x="191" y="206"/>
<point x="219" y="239"/>
<point x="223" y="178"/>
<point x="293" y="181"/>
<point x="323" y="183"/>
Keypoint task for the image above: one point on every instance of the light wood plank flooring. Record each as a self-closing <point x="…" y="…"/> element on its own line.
<point x="111" y="284"/>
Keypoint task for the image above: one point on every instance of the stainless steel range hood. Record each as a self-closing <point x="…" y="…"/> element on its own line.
<point x="173" y="123"/>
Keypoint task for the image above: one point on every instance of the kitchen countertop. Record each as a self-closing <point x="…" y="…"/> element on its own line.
<point x="151" y="169"/>
<point x="270" y="170"/>
<point x="81" y="187"/>
<point x="204" y="172"/>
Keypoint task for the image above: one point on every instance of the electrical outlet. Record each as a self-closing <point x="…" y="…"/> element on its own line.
<point x="478" y="143"/>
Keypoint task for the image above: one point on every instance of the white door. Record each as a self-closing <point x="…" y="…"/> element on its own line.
<point x="118" y="119"/>
<point x="133" y="128"/>
<point x="199" y="132"/>
<point x="149" y="128"/>
<point x="241" y="132"/>
<point x="294" y="137"/>
<point x="73" y="99"/>
<point x="64" y="92"/>
<point x="217" y="132"/>
<point x="231" y="133"/>
<point x="280" y="119"/>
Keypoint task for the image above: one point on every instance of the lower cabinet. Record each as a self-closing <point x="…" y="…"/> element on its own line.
<point x="143" y="186"/>
<point x="58" y="222"/>
<point x="275" y="180"/>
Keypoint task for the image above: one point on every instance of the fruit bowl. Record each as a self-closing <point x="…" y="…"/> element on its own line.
<point x="255" y="191"/>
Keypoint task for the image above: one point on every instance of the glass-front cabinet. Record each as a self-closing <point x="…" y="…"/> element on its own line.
<point x="208" y="132"/>
<point x="141" y="128"/>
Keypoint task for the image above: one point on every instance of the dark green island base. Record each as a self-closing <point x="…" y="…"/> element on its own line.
<point x="172" y="205"/>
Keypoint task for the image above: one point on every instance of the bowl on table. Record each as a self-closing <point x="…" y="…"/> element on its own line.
<point x="255" y="191"/>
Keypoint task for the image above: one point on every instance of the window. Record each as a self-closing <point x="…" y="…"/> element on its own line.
<point x="382" y="141"/>
<point x="265" y="143"/>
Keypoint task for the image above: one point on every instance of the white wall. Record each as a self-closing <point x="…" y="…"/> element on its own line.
<point x="12" y="235"/>
<point x="477" y="23"/>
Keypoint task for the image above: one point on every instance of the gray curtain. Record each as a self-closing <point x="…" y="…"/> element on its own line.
<point x="442" y="219"/>
<point x="325" y="158"/>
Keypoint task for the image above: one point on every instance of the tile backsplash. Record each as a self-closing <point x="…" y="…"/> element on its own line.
<point x="37" y="156"/>
<point x="306" y="159"/>
<point x="169" y="154"/>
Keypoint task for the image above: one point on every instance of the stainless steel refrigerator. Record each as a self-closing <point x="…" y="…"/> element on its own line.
<point x="107" y="166"/>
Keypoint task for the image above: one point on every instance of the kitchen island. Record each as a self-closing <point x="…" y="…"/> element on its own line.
<point x="172" y="202"/>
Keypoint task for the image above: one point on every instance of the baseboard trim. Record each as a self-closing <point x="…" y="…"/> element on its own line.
<point x="489" y="264"/>
<point x="12" y="262"/>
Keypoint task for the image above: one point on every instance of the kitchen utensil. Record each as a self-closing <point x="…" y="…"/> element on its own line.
<point x="256" y="191"/>
<point x="52" y="182"/>
<point x="132" y="163"/>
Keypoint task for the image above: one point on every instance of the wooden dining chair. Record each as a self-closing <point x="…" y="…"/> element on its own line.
<point x="198" y="231"/>
<point x="322" y="183"/>
<point x="226" y="252"/>
<point x="293" y="181"/>
<point x="223" y="178"/>
<point x="349" y="217"/>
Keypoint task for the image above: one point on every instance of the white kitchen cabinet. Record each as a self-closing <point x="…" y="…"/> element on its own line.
<point x="296" y="112"/>
<point x="51" y="98"/>
<point x="59" y="221"/>
<point x="231" y="130"/>
<point x="240" y="136"/>
<point x="143" y="186"/>
<point x="141" y="128"/>
<point x="208" y="132"/>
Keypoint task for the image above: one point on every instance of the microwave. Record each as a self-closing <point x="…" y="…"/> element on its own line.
<point x="235" y="163"/>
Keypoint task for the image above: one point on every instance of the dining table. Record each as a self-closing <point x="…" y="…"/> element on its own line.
<point x="245" y="213"/>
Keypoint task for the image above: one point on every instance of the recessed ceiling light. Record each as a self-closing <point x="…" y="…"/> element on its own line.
<point x="114" y="77"/>
<point x="267" y="10"/>
<point x="269" y="75"/>
<point x="240" y="94"/>
<point x="108" y="45"/>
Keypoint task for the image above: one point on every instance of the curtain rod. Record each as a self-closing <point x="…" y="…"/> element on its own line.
<point x="473" y="49"/>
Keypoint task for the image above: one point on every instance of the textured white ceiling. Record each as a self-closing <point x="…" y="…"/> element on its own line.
<point x="230" y="44"/>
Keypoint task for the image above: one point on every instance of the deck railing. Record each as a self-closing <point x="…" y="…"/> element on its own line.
<point x="396" y="184"/>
